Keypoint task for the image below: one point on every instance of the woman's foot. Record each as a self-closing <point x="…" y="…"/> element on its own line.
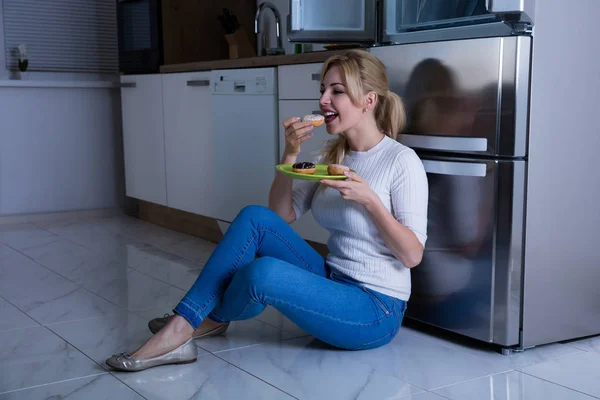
<point x="208" y="327"/>
<point x="176" y="332"/>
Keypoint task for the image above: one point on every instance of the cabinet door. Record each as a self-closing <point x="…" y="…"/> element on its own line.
<point x="143" y="138"/>
<point x="302" y="81"/>
<point x="189" y="141"/>
<point x="306" y="226"/>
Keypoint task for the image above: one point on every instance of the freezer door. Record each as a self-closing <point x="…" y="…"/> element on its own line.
<point x="332" y="21"/>
<point x="413" y="21"/>
<point x="464" y="96"/>
<point x="469" y="281"/>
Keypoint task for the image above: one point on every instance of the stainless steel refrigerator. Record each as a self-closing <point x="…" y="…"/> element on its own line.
<point x="464" y="71"/>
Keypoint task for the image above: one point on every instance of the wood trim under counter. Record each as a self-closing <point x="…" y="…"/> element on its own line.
<point x="253" y="62"/>
<point x="191" y="224"/>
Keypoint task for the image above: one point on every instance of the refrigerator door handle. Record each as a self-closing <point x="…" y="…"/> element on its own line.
<point x="455" y="168"/>
<point x="443" y="143"/>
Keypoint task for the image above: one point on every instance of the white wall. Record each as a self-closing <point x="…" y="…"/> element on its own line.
<point x="60" y="149"/>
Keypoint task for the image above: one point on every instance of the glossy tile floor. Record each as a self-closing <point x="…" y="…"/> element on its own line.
<point x="73" y="292"/>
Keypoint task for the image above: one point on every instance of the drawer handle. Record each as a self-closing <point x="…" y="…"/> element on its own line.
<point x="455" y="168"/>
<point x="204" y="82"/>
<point x="316" y="77"/>
<point x="128" y="84"/>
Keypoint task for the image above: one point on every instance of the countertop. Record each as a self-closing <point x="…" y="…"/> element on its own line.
<point x="253" y="62"/>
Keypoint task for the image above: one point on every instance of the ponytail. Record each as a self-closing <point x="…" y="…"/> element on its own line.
<point x="390" y="114"/>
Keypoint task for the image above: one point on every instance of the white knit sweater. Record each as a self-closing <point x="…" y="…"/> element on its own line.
<point x="357" y="249"/>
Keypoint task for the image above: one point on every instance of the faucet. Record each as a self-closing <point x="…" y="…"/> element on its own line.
<point x="262" y="43"/>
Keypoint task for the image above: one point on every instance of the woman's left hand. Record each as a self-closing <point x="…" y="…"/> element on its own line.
<point x="355" y="189"/>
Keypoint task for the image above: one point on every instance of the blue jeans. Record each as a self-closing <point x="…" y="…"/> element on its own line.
<point x="262" y="261"/>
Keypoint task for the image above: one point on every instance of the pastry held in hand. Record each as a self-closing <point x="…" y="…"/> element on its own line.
<point x="337" y="169"/>
<point x="304" y="168"/>
<point x="317" y="120"/>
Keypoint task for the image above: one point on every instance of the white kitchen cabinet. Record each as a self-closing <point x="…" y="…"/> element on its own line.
<point x="299" y="82"/>
<point x="306" y="226"/>
<point x="189" y="141"/>
<point x="143" y="137"/>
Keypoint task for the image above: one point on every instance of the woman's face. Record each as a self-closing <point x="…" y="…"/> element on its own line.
<point x="340" y="113"/>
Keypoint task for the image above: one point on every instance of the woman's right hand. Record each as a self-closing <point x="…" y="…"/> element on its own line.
<point x="296" y="133"/>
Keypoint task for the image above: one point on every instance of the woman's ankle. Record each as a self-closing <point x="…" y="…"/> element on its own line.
<point x="180" y="326"/>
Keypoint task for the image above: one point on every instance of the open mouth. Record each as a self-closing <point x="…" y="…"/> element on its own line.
<point x="330" y="116"/>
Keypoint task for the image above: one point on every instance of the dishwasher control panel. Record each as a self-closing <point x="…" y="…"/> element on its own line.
<point x="254" y="81"/>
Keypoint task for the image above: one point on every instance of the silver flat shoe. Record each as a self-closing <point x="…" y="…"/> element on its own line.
<point x="185" y="354"/>
<point x="158" y="323"/>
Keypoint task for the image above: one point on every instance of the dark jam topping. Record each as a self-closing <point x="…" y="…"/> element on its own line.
<point x="303" y="165"/>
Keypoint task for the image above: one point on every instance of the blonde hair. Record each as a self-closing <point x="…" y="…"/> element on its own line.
<point x="363" y="73"/>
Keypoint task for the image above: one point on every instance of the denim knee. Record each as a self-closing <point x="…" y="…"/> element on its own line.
<point x="260" y="273"/>
<point x="254" y="213"/>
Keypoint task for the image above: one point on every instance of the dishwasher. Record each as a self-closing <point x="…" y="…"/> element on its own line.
<point x="245" y="119"/>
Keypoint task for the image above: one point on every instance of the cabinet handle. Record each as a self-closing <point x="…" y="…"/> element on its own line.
<point x="128" y="84"/>
<point x="316" y="77"/>
<point x="199" y="83"/>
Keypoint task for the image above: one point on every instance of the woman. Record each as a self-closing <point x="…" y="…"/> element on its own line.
<point x="377" y="219"/>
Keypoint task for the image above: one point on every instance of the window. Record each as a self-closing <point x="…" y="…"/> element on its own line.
<point x="62" y="35"/>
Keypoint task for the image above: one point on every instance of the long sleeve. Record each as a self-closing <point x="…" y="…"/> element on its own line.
<point x="409" y="193"/>
<point x="302" y="195"/>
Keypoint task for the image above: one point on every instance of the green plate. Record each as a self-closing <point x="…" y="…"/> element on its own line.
<point x="320" y="173"/>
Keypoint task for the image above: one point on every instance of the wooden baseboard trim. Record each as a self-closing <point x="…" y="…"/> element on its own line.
<point x="180" y="221"/>
<point x="59" y="216"/>
<point x="193" y="224"/>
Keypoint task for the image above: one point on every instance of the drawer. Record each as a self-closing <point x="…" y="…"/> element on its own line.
<point x="300" y="82"/>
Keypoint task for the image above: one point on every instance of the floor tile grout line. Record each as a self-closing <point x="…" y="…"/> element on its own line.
<point x="459" y="349"/>
<point x="579" y="348"/>
<point x="232" y="349"/>
<point x="472" y="379"/>
<point x="95" y="252"/>
<point x="28" y="316"/>
<point x="40" y="324"/>
<point x="89" y="319"/>
<point x="91" y="359"/>
<point x="124" y="383"/>
<point x="111" y="258"/>
<point x="581" y="352"/>
<point x="81" y="286"/>
<point x="281" y="329"/>
<point x="161" y="247"/>
<point x="424" y="337"/>
<point x="301" y="337"/>
<point x="558" y="384"/>
<point x="75" y="283"/>
<point x="427" y="391"/>
<point x="251" y="374"/>
<point x="52" y="383"/>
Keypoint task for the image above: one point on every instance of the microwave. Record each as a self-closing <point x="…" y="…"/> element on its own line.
<point x="140" y="36"/>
